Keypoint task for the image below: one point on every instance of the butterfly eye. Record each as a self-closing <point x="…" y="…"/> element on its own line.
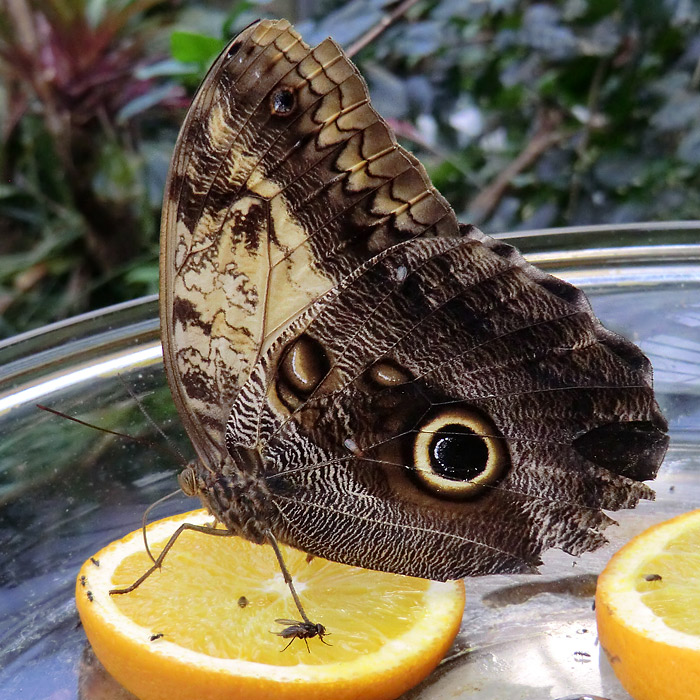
<point x="459" y="452"/>
<point x="187" y="481"/>
<point x="282" y="102"/>
<point x="303" y="367"/>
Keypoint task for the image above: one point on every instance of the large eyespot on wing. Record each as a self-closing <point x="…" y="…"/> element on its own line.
<point x="302" y="367"/>
<point x="443" y="348"/>
<point x="458" y="452"/>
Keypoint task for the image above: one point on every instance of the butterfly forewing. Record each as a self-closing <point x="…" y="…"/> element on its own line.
<point x="284" y="179"/>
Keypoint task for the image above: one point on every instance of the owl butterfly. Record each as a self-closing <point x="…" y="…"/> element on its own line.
<point x="363" y="377"/>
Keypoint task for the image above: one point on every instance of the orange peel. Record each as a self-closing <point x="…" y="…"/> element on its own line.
<point x="647" y="609"/>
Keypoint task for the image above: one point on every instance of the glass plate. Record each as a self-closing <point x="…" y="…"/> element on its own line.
<point x="66" y="490"/>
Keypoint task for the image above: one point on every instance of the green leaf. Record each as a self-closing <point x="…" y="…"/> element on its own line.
<point x="144" y="102"/>
<point x="194" y="48"/>
<point x="145" y="275"/>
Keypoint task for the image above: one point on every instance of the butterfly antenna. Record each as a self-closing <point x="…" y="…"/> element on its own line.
<point x="144" y="520"/>
<point x="142" y="441"/>
<point x="150" y="420"/>
<point x="133" y="438"/>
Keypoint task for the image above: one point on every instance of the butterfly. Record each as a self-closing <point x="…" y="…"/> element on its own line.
<point x="362" y="376"/>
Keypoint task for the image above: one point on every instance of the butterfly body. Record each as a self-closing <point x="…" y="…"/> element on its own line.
<point x="362" y="376"/>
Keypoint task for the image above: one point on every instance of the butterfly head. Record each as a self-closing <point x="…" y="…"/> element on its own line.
<point x="187" y="480"/>
<point x="232" y="491"/>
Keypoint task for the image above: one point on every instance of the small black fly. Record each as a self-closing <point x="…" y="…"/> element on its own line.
<point x="301" y="630"/>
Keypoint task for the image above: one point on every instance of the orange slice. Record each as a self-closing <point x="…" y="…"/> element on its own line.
<point x="201" y="626"/>
<point x="648" y="611"/>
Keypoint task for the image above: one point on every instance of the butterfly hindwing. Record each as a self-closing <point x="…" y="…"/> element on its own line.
<point x="458" y="343"/>
<point x="360" y="375"/>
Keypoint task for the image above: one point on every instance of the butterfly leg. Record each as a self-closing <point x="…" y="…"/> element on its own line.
<point x="144" y="521"/>
<point x="159" y="560"/>
<point x="287" y="577"/>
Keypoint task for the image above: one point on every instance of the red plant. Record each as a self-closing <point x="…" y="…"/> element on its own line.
<point x="77" y="69"/>
<point x="75" y="64"/>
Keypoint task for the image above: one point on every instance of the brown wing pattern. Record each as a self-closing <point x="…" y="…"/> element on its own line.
<point x="360" y="374"/>
<point x="440" y="336"/>
<point x="284" y="180"/>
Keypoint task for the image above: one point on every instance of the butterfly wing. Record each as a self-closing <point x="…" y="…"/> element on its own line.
<point x="450" y="410"/>
<point x="283" y="181"/>
<point x="333" y="335"/>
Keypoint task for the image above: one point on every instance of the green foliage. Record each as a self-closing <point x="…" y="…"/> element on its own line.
<point x="614" y="86"/>
<point x="527" y="114"/>
<point x="194" y="48"/>
<point x="77" y="116"/>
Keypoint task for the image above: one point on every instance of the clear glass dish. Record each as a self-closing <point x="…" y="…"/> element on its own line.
<point x="66" y="490"/>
